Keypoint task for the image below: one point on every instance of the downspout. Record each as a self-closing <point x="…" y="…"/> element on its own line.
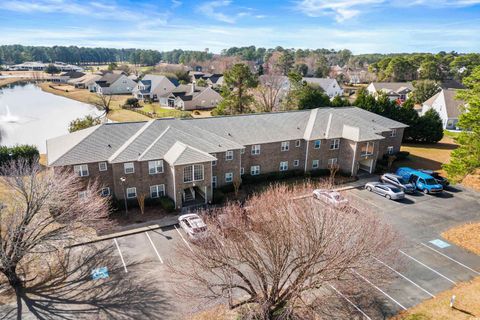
<point x="306" y="155"/>
<point x="174" y="187"/>
<point x="354" y="157"/>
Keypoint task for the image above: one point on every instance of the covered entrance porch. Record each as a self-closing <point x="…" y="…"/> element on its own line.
<point x="194" y="196"/>
<point x="366" y="165"/>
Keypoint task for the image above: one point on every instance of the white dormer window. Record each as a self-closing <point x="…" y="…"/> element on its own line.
<point x="256" y="149"/>
<point x="334" y="144"/>
<point x="393" y="133"/>
<point x="128" y="167"/>
<point x="229" y="155"/>
<point x="285" y="146"/>
<point x="102" y="166"/>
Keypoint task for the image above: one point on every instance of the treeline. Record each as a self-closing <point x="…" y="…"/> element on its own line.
<point x="440" y="66"/>
<point x="14" y="54"/>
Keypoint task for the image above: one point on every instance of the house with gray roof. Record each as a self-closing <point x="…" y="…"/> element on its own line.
<point x="396" y="91"/>
<point x="330" y="86"/>
<point x="114" y="83"/>
<point x="152" y="86"/>
<point x="188" y="97"/>
<point x="447" y="106"/>
<point x="187" y="159"/>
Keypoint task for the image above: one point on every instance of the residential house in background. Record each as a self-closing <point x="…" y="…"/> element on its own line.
<point x="213" y="80"/>
<point x="85" y="82"/>
<point x="396" y="91"/>
<point x="186" y="159"/>
<point x="189" y="97"/>
<point x="447" y="106"/>
<point x="151" y="87"/>
<point x="114" y="83"/>
<point x="330" y="86"/>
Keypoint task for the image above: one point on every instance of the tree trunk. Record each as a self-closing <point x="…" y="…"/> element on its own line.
<point x="17" y="284"/>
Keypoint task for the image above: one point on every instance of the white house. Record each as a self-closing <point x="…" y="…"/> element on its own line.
<point x="190" y="97"/>
<point x="114" y="83"/>
<point x="447" y="106"/>
<point x="394" y="90"/>
<point x="330" y="86"/>
<point x="152" y="87"/>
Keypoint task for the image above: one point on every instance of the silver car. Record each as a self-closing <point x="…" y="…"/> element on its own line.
<point x="393" y="179"/>
<point x="387" y="190"/>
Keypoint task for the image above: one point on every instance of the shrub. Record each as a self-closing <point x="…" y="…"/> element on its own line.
<point x="401" y="155"/>
<point x="218" y="196"/>
<point x="132" y="103"/>
<point x="25" y="151"/>
<point x="167" y="204"/>
<point x="196" y="112"/>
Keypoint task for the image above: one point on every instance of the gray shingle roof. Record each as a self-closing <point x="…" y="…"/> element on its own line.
<point x="180" y="154"/>
<point x="393" y="86"/>
<point x="142" y="141"/>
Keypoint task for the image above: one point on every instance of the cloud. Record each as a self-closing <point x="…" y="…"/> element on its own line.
<point x="343" y="10"/>
<point x="210" y="9"/>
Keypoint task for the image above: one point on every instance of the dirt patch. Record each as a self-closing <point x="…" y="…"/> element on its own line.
<point x="216" y="313"/>
<point x="473" y="180"/>
<point x="466" y="236"/>
<point x="467" y="304"/>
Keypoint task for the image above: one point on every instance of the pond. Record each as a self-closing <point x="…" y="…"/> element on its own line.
<point x="29" y="115"/>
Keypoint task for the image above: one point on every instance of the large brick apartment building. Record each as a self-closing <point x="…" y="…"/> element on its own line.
<point x="186" y="159"/>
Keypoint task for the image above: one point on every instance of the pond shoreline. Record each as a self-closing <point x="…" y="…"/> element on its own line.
<point x="9" y="81"/>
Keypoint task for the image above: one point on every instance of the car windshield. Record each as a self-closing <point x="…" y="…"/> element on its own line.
<point x="396" y="190"/>
<point x="431" y="181"/>
<point x="402" y="181"/>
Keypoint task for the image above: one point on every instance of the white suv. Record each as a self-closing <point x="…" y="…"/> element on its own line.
<point x="193" y="225"/>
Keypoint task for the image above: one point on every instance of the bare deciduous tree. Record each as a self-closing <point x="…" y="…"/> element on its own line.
<point x="43" y="213"/>
<point x="270" y="92"/>
<point x="280" y="256"/>
<point x="103" y="103"/>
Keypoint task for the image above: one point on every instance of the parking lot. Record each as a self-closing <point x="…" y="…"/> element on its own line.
<point x="431" y="264"/>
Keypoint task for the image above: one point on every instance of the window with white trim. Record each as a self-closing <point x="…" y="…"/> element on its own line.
<point x="214" y="162"/>
<point x="214" y="182"/>
<point x="193" y="173"/>
<point x="254" y="170"/>
<point x="242" y="151"/>
<point x="390" y="150"/>
<point x="298" y="143"/>
<point x="128" y="167"/>
<point x="242" y="171"/>
<point x="283" y="165"/>
<point x="332" y="161"/>
<point x="131" y="193"/>
<point x="256" y="149"/>
<point x="229" y="155"/>
<point x="155" y="167"/>
<point x="285" y="146"/>
<point x="315" y="164"/>
<point x="157" y="191"/>
<point x="229" y="177"/>
<point x="334" y="144"/>
<point x="82" y="195"/>
<point x="296" y="163"/>
<point x="105" y="192"/>
<point x="367" y="149"/>
<point x="393" y="133"/>
<point x="81" y="170"/>
<point x="316" y="144"/>
<point x="102" y="166"/>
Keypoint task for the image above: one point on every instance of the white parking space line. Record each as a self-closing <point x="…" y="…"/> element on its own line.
<point x="362" y="200"/>
<point x="154" y="248"/>
<point x="121" y="255"/>
<point x="386" y="294"/>
<point x="348" y="300"/>
<point x="404" y="277"/>
<point x="188" y="245"/>
<point x="423" y="264"/>
<point x="444" y="255"/>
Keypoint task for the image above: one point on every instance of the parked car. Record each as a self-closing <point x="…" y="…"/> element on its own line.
<point x="422" y="181"/>
<point x="193" y="225"/>
<point x="387" y="190"/>
<point x="330" y="197"/>
<point x="393" y="179"/>
<point x="442" y="180"/>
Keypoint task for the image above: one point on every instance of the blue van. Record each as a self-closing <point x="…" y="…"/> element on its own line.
<point x="422" y="181"/>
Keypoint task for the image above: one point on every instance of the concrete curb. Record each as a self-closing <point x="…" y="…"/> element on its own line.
<point x="152" y="225"/>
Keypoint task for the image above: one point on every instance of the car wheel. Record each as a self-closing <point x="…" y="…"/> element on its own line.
<point x="369" y="189"/>
<point x="425" y="191"/>
<point x="388" y="197"/>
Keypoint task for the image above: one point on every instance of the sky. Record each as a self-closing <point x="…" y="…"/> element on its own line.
<point x="363" y="26"/>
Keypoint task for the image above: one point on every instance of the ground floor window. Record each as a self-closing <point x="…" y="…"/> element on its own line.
<point x="315" y="164"/>
<point x="296" y="163"/>
<point x="284" y="166"/>
<point x="157" y="191"/>
<point x="332" y="161"/>
<point x="214" y="182"/>
<point x="131" y="193"/>
<point x="390" y="150"/>
<point x="242" y="171"/>
<point x="81" y="170"/>
<point x="82" y="195"/>
<point x="229" y="177"/>
<point x="255" y="170"/>
<point x="105" y="192"/>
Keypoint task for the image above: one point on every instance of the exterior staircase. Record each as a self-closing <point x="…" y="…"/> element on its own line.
<point x="189" y="195"/>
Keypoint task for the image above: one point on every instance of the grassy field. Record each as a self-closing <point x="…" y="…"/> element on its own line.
<point x="162" y="112"/>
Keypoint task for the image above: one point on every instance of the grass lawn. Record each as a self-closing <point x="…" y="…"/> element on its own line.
<point x="428" y="156"/>
<point x="163" y="112"/>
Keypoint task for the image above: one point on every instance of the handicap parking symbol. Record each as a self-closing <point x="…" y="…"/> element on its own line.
<point x="100" y="273"/>
<point x="439" y="243"/>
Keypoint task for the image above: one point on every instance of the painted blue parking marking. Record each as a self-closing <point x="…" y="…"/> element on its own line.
<point x="440" y="243"/>
<point x="100" y="273"/>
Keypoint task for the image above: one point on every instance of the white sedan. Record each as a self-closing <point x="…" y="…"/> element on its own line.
<point x="193" y="225"/>
<point x="330" y="197"/>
